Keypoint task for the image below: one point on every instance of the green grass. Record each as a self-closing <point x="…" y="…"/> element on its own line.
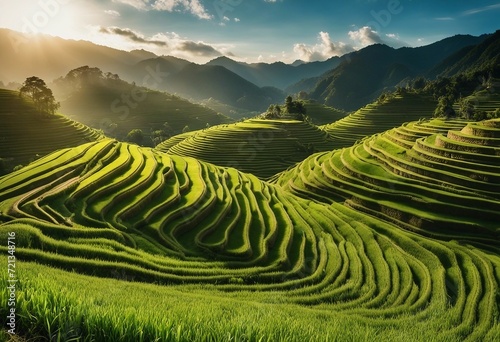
<point x="98" y="312"/>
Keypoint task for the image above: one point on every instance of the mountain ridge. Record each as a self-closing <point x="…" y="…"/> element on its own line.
<point x="366" y="73"/>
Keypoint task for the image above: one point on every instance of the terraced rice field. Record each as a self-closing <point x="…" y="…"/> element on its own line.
<point x="440" y="178"/>
<point x="25" y="136"/>
<point x="260" y="147"/>
<point x="321" y="114"/>
<point x="379" y="117"/>
<point x="253" y="250"/>
<point x="487" y="100"/>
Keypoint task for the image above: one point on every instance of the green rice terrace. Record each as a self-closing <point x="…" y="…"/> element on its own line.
<point x="440" y="178"/>
<point x="117" y="242"/>
<point x="380" y="116"/>
<point x="26" y="135"/>
<point x="257" y="146"/>
<point x="321" y="114"/>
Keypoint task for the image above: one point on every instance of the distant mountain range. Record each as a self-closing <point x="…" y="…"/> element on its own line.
<point x="366" y="73"/>
<point x="348" y="82"/>
<point x="279" y="74"/>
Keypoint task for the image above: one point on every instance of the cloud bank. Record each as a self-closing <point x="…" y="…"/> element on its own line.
<point x="360" y="38"/>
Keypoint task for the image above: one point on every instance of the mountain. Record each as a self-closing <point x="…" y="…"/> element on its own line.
<point x="484" y="55"/>
<point x="365" y="74"/>
<point x="347" y="82"/>
<point x="154" y="70"/>
<point x="143" y="54"/>
<point x="212" y="81"/>
<point x="106" y="102"/>
<point x="50" y="57"/>
<point x="279" y="74"/>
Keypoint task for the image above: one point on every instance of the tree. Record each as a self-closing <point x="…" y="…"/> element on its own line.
<point x="466" y="108"/>
<point x="135" y="136"/>
<point x="302" y="95"/>
<point x="294" y="107"/>
<point x="273" y="112"/>
<point x="418" y="83"/>
<point x="495" y="114"/>
<point x="444" y="108"/>
<point x="85" y="75"/>
<point x="289" y="104"/>
<point x="43" y="98"/>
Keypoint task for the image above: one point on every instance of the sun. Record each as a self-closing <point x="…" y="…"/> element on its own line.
<point x="53" y="17"/>
<point x="59" y="20"/>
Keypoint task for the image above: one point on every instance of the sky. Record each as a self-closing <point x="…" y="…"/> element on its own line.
<point x="252" y="30"/>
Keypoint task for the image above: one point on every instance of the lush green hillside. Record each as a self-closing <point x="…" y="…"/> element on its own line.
<point x="25" y="135"/>
<point x="212" y="81"/>
<point x="260" y="147"/>
<point x="433" y="177"/>
<point x="321" y="114"/>
<point x="380" y="116"/>
<point x="487" y="100"/>
<point x="229" y="111"/>
<point x="483" y="56"/>
<point x="105" y="102"/>
<point x="368" y="72"/>
<point x="257" y="263"/>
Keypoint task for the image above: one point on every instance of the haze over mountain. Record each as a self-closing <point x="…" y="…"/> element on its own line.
<point x="50" y="57"/>
<point x="277" y="74"/>
<point x="348" y="82"/>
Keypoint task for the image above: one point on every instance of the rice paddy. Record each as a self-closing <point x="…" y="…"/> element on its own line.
<point x="260" y="147"/>
<point x="153" y="235"/>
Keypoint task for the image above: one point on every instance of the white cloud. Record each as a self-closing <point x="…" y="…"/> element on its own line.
<point x="237" y="20"/>
<point x="131" y="35"/>
<point x="325" y="49"/>
<point x="112" y="13"/>
<point x="139" y="4"/>
<point x="162" y="43"/>
<point x="365" y="36"/>
<point x="194" y="7"/>
<point x="481" y="9"/>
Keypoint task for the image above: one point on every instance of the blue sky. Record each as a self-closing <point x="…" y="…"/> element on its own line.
<point x="252" y="30"/>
